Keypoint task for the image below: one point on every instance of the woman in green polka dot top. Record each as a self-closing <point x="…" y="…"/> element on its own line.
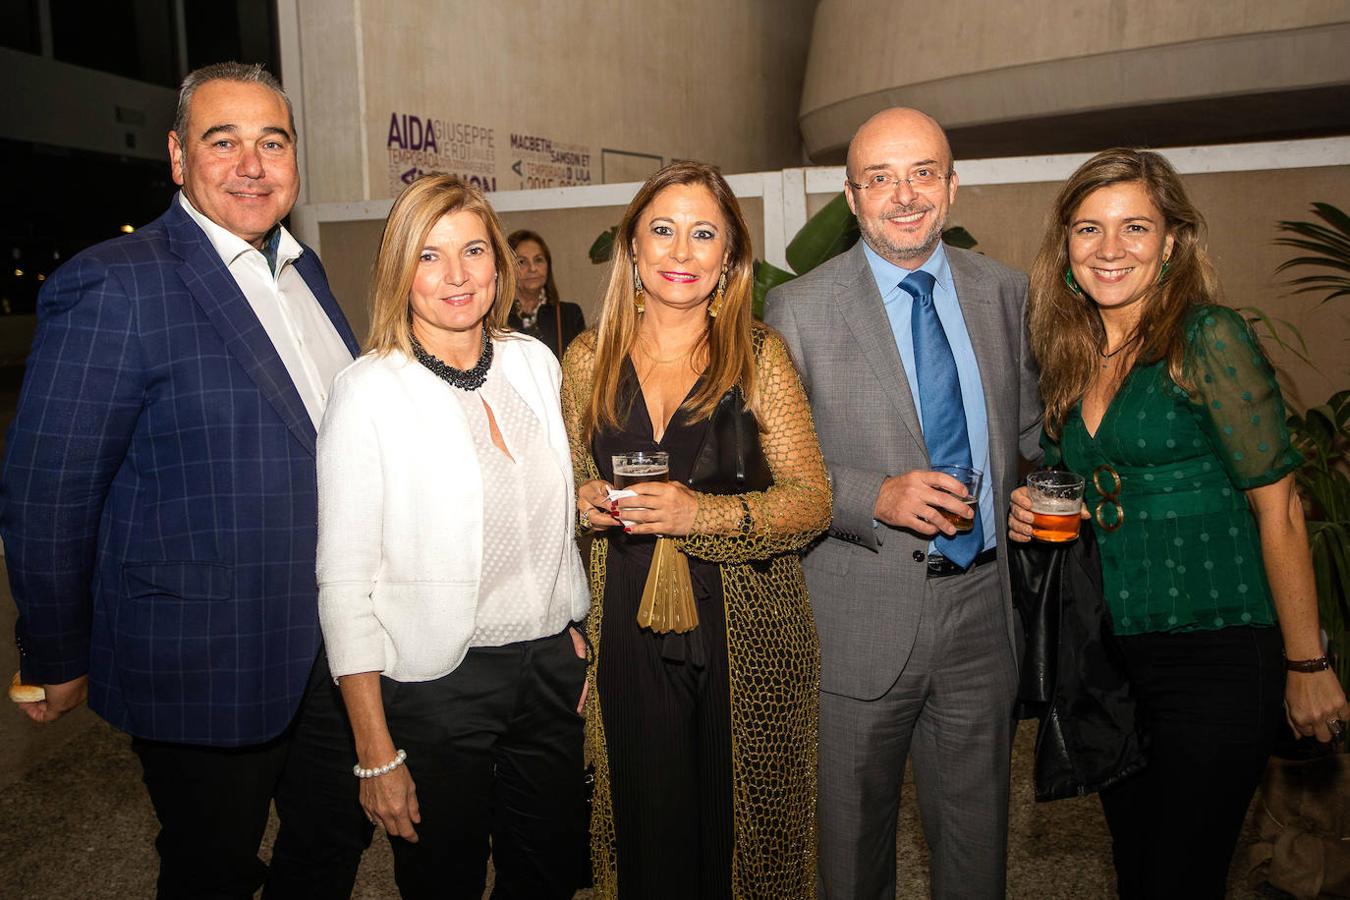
<point x="1161" y="398"/>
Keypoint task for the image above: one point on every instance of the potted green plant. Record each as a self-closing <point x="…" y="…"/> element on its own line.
<point x="1322" y="433"/>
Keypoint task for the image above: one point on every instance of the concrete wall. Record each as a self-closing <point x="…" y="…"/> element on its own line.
<point x="535" y="93"/>
<point x="981" y="61"/>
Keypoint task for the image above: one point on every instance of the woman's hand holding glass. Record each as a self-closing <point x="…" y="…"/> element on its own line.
<point x="659" y="507"/>
<point x="594" y="506"/>
<point x="666" y="508"/>
<point x="1021" y="517"/>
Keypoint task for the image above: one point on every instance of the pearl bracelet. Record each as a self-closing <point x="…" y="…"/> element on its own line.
<point x="381" y="770"/>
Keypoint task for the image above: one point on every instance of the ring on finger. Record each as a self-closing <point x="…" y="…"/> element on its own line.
<point x="1336" y="727"/>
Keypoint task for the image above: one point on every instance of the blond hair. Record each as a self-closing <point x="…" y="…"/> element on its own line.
<point x="414" y="214"/>
<point x="731" y="356"/>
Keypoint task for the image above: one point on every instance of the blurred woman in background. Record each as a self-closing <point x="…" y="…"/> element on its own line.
<point x="538" y="311"/>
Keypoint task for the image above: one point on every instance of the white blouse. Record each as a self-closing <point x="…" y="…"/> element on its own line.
<point x="522" y="557"/>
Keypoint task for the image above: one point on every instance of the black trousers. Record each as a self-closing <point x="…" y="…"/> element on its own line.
<point x="1212" y="705"/>
<point x="495" y="753"/>
<point x="666" y="703"/>
<point x="213" y="803"/>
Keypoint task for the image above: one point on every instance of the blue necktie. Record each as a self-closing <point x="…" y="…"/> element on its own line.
<point x="944" y="415"/>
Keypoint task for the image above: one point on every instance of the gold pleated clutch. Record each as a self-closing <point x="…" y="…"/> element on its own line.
<point x="668" y="597"/>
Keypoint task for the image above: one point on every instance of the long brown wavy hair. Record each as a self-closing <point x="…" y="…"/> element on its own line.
<point x="1067" y="335"/>
<point x="414" y="214"/>
<point x="731" y="356"/>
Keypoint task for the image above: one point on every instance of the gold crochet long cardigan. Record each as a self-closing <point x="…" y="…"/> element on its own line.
<point x="773" y="654"/>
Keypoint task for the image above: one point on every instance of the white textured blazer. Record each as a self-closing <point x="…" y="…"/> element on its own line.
<point x="401" y="512"/>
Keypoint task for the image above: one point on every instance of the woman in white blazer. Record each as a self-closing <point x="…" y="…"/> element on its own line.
<point x="448" y="577"/>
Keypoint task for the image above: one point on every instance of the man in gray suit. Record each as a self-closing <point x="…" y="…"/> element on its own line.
<point x="914" y="355"/>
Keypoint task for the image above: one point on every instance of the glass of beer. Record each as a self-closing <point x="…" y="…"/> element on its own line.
<point x="1056" y="498"/>
<point x="635" y="468"/>
<point x="639" y="466"/>
<point x="970" y="480"/>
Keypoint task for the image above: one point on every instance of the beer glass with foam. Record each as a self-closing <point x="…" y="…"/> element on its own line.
<point x="1056" y="498"/>
<point x="639" y="466"/>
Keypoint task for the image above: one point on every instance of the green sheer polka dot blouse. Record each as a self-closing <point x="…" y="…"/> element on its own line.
<point x="1187" y="555"/>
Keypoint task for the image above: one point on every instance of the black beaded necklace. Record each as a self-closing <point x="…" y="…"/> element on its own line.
<point x="464" y="379"/>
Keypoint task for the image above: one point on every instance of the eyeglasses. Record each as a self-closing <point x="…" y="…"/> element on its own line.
<point x="921" y="179"/>
<point x="1112" y="497"/>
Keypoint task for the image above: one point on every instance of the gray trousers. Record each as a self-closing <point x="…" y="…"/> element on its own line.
<point x="951" y="708"/>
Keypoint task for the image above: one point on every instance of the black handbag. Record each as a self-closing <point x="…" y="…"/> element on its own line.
<point x="1074" y="678"/>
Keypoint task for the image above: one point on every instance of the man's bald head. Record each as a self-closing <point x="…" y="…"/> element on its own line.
<point x="890" y="154"/>
<point x="890" y="124"/>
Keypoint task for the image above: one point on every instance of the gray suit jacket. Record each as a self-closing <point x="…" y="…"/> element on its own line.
<point x="867" y="583"/>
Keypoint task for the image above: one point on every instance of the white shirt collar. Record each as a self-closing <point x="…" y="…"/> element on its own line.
<point x="230" y="246"/>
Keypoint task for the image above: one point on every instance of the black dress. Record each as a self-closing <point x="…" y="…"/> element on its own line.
<point x="545" y="325"/>
<point x="664" y="698"/>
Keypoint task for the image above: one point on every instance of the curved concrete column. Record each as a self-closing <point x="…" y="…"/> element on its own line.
<point x="979" y="64"/>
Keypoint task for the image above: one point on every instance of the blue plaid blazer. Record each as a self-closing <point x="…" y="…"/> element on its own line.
<point x="159" y="495"/>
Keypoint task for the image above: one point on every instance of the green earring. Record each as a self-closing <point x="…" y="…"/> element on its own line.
<point x="1073" y="285"/>
<point x="1162" y="273"/>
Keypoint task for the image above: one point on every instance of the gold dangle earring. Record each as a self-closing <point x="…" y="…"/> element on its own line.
<point x="639" y="298"/>
<point x="715" y="306"/>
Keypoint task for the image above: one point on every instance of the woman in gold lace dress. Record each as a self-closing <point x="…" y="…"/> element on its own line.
<point x="704" y="740"/>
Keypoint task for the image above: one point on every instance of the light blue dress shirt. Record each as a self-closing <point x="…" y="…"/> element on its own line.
<point x="899" y="307"/>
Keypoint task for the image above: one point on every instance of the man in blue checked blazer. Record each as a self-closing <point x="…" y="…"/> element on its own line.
<point x="159" y="506"/>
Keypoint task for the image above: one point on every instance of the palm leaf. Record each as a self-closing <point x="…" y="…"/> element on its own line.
<point x="1340" y="404"/>
<point x="1333" y="216"/>
<point x="767" y="277"/>
<point x="1314" y="237"/>
<point x="1328" y="280"/>
<point x="1324" y="247"/>
<point x="1345" y="292"/>
<point x="1327" y="263"/>
<point x="829" y="232"/>
<point x="602" y="248"/>
<point x="1255" y="315"/>
<point x="1316" y="245"/>
<point x="956" y="236"/>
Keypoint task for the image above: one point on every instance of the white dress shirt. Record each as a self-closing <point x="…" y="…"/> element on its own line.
<point x="303" y="335"/>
